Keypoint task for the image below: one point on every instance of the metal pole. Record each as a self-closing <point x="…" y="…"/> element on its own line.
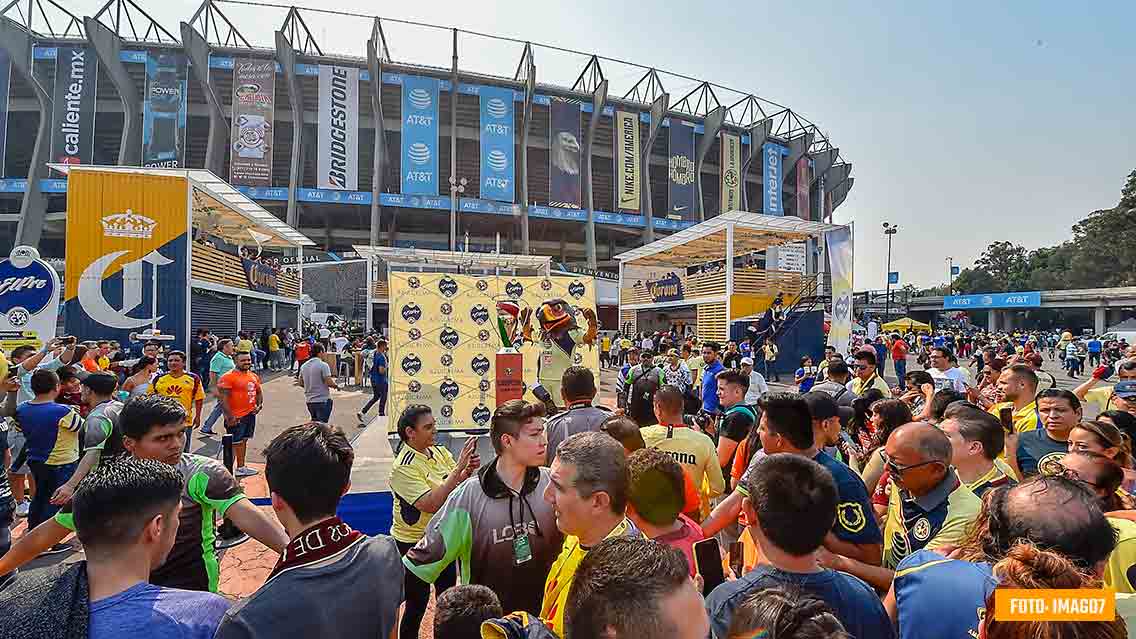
<point x="950" y="275"/>
<point x="454" y="147"/>
<point x="887" y="306"/>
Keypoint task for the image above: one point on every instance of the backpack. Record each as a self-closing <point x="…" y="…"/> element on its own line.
<point x="641" y="395"/>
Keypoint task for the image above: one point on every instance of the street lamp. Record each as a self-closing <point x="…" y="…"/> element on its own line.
<point x="457" y="187"/>
<point x="889" y="231"/>
<point x="950" y="275"/>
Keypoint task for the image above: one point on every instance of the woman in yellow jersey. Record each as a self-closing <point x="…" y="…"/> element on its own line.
<point x="422" y="477"/>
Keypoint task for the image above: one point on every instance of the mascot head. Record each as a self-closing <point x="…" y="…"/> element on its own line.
<point x="555" y="315"/>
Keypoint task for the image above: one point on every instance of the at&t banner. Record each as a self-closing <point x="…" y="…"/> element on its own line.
<point x="420" y="135"/>
<point x="129" y="270"/>
<point x="771" y="177"/>
<point x="338" y="162"/>
<point x="73" y="116"/>
<point x="680" y="171"/>
<point x="164" y="112"/>
<point x="730" y="166"/>
<point x="839" y="245"/>
<point x="803" y="181"/>
<point x="626" y="161"/>
<point x="254" y="96"/>
<point x="497" y="165"/>
<point x="564" y="154"/>
<point x="444" y="341"/>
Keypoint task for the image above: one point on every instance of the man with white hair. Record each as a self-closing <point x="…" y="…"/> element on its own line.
<point x="757" y="385"/>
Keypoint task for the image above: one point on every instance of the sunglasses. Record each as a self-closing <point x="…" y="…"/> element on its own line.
<point x="860" y="367"/>
<point x="896" y="469"/>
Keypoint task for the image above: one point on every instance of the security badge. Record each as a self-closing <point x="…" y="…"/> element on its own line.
<point x="522" y="549"/>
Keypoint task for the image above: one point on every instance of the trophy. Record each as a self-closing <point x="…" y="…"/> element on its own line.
<point x="510" y="369"/>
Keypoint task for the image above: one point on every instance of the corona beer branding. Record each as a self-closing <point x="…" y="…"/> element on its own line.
<point x="128" y="224"/>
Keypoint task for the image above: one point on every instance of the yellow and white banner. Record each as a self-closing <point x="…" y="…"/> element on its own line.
<point x="730" y="165"/>
<point x="627" y="161"/>
<point x="839" y="244"/>
<point x="443" y="340"/>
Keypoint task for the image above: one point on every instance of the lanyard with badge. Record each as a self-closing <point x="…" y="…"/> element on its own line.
<point x="522" y="547"/>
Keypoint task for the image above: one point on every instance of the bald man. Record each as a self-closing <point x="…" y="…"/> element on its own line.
<point x="929" y="507"/>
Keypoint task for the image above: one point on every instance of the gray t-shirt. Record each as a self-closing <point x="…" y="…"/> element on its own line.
<point x="355" y="594"/>
<point x="313" y="373"/>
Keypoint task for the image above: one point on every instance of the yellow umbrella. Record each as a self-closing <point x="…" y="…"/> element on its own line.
<point x="906" y="324"/>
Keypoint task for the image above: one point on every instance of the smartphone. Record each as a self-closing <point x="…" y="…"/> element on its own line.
<point x="708" y="560"/>
<point x="737" y="558"/>
<point x="1006" y="416"/>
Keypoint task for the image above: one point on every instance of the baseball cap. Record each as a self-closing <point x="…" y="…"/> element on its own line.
<point x="822" y="406"/>
<point x="747" y="360"/>
<point x="1125" y="389"/>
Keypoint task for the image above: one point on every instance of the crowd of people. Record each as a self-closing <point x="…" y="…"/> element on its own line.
<point x="704" y="504"/>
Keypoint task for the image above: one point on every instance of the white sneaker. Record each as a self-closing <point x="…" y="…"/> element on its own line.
<point x="23" y="507"/>
<point x="245" y="471"/>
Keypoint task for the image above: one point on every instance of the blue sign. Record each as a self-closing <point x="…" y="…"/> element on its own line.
<point x="893" y="277"/>
<point x="771" y="177"/>
<point x="955" y="270"/>
<point x="419" y="135"/>
<point x="992" y="300"/>
<point x="30" y="287"/>
<point x="667" y="289"/>
<point x="497" y="164"/>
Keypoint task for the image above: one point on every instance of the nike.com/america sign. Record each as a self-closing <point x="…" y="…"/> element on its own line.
<point x="126" y="266"/>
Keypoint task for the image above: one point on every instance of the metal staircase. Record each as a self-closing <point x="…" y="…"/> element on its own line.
<point x="815" y="293"/>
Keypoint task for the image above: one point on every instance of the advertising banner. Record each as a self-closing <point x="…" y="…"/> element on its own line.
<point x="254" y="101"/>
<point x="839" y="245"/>
<point x="730" y="167"/>
<point x="129" y="272"/>
<point x="626" y="161"/>
<point x="1031" y="299"/>
<point x="338" y="151"/>
<point x="803" y="181"/>
<point x="497" y="166"/>
<point x="771" y="177"/>
<point x="444" y="340"/>
<point x="164" y="111"/>
<point x="564" y="154"/>
<point x="680" y="171"/>
<point x="419" y="135"/>
<point x="666" y="289"/>
<point x="29" y="299"/>
<point x="5" y="81"/>
<point x="73" y="115"/>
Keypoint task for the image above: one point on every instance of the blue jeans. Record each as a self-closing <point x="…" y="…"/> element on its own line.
<point x="900" y="370"/>
<point x="320" y="411"/>
<point x="217" y="413"/>
<point x="48" y="478"/>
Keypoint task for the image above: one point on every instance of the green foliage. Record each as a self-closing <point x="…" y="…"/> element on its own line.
<point x="1101" y="254"/>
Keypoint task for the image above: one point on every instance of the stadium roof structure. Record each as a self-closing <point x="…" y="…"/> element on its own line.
<point x="231" y="214"/>
<point x="733" y="233"/>
<point x="411" y="258"/>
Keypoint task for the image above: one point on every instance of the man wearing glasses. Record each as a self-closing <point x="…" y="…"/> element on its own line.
<point x="866" y="376"/>
<point x="929" y="507"/>
<point x="183" y="386"/>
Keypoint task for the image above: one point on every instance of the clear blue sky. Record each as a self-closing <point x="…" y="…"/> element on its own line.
<point x="966" y="122"/>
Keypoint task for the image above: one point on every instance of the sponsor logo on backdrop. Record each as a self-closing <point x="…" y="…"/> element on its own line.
<point x="448" y="338"/>
<point x="479" y="314"/>
<point x="414" y="386"/>
<point x="667" y="289"/>
<point x="411" y="312"/>
<point x="483" y="335"/>
<point x="449" y="389"/>
<point x="76" y="74"/>
<point x="254" y="97"/>
<point x="128" y="224"/>
<point x="419" y="170"/>
<point x="730" y="163"/>
<point x="414" y="334"/>
<point x="576" y="289"/>
<point x="546" y="285"/>
<point x="411" y="364"/>
<point x="338" y="159"/>
<point x="482" y="285"/>
<point x="447" y="411"/>
<point x="771" y="179"/>
<point x="483" y="386"/>
<point x="29" y="299"/>
<point x="481" y="414"/>
<point x="480" y="365"/>
<point x="414" y="282"/>
<point x="447" y="309"/>
<point x="496" y="142"/>
<point x="447" y="286"/>
<point x="447" y="360"/>
<point x="514" y="289"/>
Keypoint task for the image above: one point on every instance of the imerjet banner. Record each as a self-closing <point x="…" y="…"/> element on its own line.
<point x="730" y="166"/>
<point x="839" y="245"/>
<point x="771" y="176"/>
<point x="680" y="171"/>
<point x="497" y="167"/>
<point x="338" y="150"/>
<point x="419" y="135"/>
<point x="626" y="161"/>
<point x="163" y="113"/>
<point x="564" y="154"/>
<point x="73" y="116"/>
<point x="254" y="98"/>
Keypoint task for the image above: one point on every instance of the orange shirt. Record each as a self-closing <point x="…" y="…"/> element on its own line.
<point x="90" y="365"/>
<point x="691" y="497"/>
<point x="242" y="389"/>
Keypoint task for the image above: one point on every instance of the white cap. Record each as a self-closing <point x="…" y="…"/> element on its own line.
<point x="747" y="360"/>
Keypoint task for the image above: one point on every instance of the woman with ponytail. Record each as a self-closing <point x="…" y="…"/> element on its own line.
<point x="1104" y="437"/>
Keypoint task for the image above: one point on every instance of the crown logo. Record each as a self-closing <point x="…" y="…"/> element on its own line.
<point x="128" y="224"/>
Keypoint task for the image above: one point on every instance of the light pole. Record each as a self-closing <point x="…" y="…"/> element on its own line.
<point x="457" y="187"/>
<point x="889" y="231"/>
<point x="950" y="275"/>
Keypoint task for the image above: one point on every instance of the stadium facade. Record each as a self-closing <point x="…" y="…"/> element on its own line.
<point x="346" y="159"/>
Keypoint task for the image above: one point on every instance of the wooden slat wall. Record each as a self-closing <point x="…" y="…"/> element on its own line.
<point x="757" y="281"/>
<point x="380" y="290"/>
<point x="712" y="321"/>
<point x="217" y="266"/>
<point x="629" y="317"/>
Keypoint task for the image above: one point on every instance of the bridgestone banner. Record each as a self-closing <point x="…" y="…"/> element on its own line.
<point x="420" y="98"/>
<point x="564" y="154"/>
<point x="626" y="161"/>
<point x="73" y="118"/>
<point x="680" y="171"/>
<point x="338" y="150"/>
<point x="730" y="167"/>
<point x="497" y="167"/>
<point x="164" y="112"/>
<point x="254" y="99"/>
